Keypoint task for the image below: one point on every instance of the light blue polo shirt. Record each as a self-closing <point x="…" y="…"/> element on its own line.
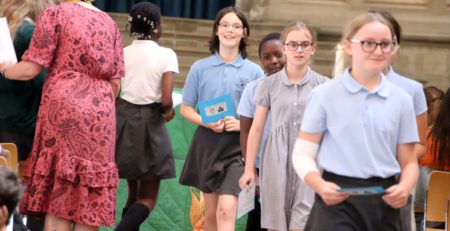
<point x="247" y="108"/>
<point x="211" y="77"/>
<point x="361" y="129"/>
<point x="412" y="87"/>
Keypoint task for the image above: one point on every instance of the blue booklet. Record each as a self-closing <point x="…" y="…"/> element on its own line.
<point x="215" y="109"/>
<point x="363" y="191"/>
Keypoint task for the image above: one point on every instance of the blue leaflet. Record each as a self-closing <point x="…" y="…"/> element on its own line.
<point x="363" y="191"/>
<point x="215" y="109"/>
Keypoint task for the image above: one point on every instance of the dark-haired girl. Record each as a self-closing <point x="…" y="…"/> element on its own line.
<point x="214" y="161"/>
<point x="272" y="60"/>
<point x="143" y="150"/>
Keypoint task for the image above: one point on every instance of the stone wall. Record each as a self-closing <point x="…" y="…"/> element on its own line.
<point x="425" y="47"/>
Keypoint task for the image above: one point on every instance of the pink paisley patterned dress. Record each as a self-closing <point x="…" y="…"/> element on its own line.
<point x="71" y="172"/>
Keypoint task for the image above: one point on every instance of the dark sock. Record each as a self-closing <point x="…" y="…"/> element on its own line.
<point x="135" y="215"/>
<point x="124" y="210"/>
<point x="35" y="223"/>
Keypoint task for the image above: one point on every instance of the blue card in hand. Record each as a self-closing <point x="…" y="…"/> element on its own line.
<point x="363" y="191"/>
<point x="215" y="109"/>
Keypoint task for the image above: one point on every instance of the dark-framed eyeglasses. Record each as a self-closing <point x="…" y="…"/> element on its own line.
<point x="293" y="46"/>
<point x="370" y="46"/>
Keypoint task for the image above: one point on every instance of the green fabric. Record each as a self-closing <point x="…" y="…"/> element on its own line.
<point x="19" y="100"/>
<point x="171" y="212"/>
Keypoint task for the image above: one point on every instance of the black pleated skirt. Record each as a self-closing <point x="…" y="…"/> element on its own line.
<point x="143" y="147"/>
<point x="214" y="162"/>
<point x="357" y="213"/>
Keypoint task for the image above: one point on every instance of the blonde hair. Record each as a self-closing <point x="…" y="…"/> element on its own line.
<point x="39" y="5"/>
<point x="296" y="25"/>
<point x="15" y="12"/>
<point x="359" y="21"/>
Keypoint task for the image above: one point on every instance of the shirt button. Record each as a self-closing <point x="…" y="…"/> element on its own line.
<point x="295" y="123"/>
<point x="295" y="104"/>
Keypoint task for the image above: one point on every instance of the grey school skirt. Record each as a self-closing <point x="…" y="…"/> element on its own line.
<point x="214" y="162"/>
<point x="143" y="147"/>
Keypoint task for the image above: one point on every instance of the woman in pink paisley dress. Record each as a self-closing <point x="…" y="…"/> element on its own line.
<point x="70" y="175"/>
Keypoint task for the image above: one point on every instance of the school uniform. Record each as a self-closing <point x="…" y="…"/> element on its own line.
<point x="247" y="108"/>
<point x="361" y="131"/>
<point x="415" y="91"/>
<point x="214" y="160"/>
<point x="285" y="199"/>
<point x="143" y="147"/>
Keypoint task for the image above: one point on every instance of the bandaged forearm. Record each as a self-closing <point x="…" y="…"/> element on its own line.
<point x="304" y="157"/>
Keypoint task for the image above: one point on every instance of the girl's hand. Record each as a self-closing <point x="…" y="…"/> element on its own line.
<point x="396" y="196"/>
<point x="217" y="126"/>
<point x="169" y="115"/>
<point x="247" y="179"/>
<point x="330" y="194"/>
<point x="231" y="124"/>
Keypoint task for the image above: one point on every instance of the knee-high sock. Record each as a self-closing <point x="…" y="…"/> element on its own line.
<point x="135" y="215"/>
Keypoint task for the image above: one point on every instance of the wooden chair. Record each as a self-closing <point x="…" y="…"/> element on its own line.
<point x="437" y="201"/>
<point x="12" y="156"/>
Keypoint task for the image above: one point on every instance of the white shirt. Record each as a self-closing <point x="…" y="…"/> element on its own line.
<point x="145" y="64"/>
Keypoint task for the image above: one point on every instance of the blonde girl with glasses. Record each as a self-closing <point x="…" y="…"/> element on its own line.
<point x="214" y="161"/>
<point x="285" y="200"/>
<point x="360" y="130"/>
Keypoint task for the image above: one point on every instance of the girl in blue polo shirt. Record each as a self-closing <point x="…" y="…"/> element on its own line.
<point x="360" y="129"/>
<point x="214" y="161"/>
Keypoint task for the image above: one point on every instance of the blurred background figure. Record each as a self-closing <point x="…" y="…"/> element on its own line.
<point x="20" y="100"/>
<point x="10" y="192"/>
<point x="254" y="9"/>
<point x="71" y="176"/>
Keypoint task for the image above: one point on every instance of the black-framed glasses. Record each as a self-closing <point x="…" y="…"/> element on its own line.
<point x="293" y="46"/>
<point x="234" y="27"/>
<point x="371" y="46"/>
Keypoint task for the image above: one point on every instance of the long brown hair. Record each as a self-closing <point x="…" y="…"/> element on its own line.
<point x="440" y="132"/>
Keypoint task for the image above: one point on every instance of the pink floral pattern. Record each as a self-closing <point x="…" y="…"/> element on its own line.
<point x="71" y="171"/>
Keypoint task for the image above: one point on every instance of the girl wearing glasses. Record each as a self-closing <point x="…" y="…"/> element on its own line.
<point x="365" y="127"/>
<point x="285" y="200"/>
<point x="214" y="161"/>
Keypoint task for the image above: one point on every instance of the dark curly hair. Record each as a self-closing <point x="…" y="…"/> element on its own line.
<point x="214" y="42"/>
<point x="143" y="19"/>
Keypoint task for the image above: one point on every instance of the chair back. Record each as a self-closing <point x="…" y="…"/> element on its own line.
<point x="11" y="155"/>
<point x="438" y="198"/>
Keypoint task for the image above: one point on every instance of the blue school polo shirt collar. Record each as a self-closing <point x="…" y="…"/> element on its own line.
<point x="353" y="87"/>
<point x="285" y="78"/>
<point x="237" y="62"/>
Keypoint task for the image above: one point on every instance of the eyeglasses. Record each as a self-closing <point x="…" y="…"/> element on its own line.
<point x="371" y="46"/>
<point x="234" y="27"/>
<point x="293" y="46"/>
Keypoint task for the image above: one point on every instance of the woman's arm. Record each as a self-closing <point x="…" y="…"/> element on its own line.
<point x="397" y="195"/>
<point x="419" y="148"/>
<point x="22" y="71"/>
<point x="115" y="85"/>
